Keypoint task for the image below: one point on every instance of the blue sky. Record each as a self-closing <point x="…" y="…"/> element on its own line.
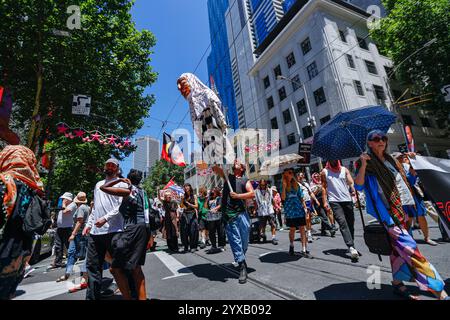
<point x="182" y="36"/>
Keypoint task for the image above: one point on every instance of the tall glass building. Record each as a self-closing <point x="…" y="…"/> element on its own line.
<point x="266" y="14"/>
<point x="219" y="64"/>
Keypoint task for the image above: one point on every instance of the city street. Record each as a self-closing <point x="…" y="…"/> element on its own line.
<point x="274" y="275"/>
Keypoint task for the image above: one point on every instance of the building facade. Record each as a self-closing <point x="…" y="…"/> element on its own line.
<point x="219" y="65"/>
<point x="146" y="155"/>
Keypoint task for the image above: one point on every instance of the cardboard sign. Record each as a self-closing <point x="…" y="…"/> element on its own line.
<point x="81" y="105"/>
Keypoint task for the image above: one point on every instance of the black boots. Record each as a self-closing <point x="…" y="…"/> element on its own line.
<point x="243" y="272"/>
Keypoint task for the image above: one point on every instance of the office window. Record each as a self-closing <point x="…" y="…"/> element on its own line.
<point x="362" y="43"/>
<point x="426" y="122"/>
<point x="325" y="120"/>
<point x="301" y="107"/>
<point x="290" y="59"/>
<point x="270" y="103"/>
<point x="287" y="116"/>
<point x="282" y="93"/>
<point x="408" y="120"/>
<point x="291" y="139"/>
<point x="306" y="46"/>
<point x="358" y="88"/>
<point x="371" y="67"/>
<point x="274" y="123"/>
<point x="350" y="61"/>
<point x="277" y="71"/>
<point x="307" y="132"/>
<point x="266" y="82"/>
<point x="342" y="35"/>
<point x="389" y="73"/>
<point x="319" y="96"/>
<point x="296" y="83"/>
<point x="312" y="70"/>
<point x="379" y="92"/>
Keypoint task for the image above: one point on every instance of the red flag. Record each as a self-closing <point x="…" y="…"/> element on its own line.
<point x="171" y="151"/>
<point x="1" y="94"/>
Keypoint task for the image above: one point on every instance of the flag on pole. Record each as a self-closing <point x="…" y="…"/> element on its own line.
<point x="171" y="151"/>
<point x="169" y="184"/>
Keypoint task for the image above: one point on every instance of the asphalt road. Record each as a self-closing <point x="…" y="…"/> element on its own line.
<point x="273" y="274"/>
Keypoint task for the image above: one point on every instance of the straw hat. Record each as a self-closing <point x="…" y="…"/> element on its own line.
<point x="80" y="198"/>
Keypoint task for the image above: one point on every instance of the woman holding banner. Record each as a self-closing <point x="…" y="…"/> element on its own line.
<point x="388" y="196"/>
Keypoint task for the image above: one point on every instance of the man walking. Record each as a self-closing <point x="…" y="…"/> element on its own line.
<point x="336" y="183"/>
<point x="104" y="222"/>
<point x="235" y="215"/>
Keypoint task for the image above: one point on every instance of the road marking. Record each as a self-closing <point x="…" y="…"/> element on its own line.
<point x="42" y="290"/>
<point x="265" y="254"/>
<point x="177" y="268"/>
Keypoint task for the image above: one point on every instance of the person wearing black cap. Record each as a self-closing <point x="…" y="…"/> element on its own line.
<point x="104" y="222"/>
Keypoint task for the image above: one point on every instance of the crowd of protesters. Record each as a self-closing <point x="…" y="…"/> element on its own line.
<point x="121" y="223"/>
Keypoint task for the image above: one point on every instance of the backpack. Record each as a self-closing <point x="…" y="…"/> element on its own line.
<point x="153" y="214"/>
<point x="37" y="217"/>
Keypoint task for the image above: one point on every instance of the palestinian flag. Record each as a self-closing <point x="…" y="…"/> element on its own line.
<point x="434" y="173"/>
<point x="171" y="151"/>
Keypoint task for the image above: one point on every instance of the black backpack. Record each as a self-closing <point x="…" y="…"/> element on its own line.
<point x="37" y="218"/>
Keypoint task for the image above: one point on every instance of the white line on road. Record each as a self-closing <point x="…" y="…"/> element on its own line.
<point x="41" y="290"/>
<point x="177" y="268"/>
<point x="265" y="254"/>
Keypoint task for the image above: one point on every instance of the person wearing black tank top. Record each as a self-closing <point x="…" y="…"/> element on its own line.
<point x="234" y="213"/>
<point x="189" y="219"/>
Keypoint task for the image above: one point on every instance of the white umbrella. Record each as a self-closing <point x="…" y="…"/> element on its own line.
<point x="278" y="164"/>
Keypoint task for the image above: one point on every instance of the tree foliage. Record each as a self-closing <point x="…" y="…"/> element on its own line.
<point x="161" y="174"/>
<point x="408" y="26"/>
<point x="107" y="59"/>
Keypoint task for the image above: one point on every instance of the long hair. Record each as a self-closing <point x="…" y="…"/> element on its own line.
<point x="191" y="191"/>
<point x="290" y="184"/>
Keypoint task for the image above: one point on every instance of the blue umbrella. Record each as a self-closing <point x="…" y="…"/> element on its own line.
<point x="344" y="136"/>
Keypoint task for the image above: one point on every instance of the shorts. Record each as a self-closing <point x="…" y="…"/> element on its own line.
<point x="129" y="247"/>
<point x="296" y="222"/>
<point x="202" y="224"/>
<point x="413" y="212"/>
<point x="270" y="219"/>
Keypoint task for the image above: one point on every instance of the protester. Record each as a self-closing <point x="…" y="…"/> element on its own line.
<point x="235" y="215"/>
<point x="266" y="212"/>
<point x="64" y="228"/>
<point x="336" y="183"/>
<point x="277" y="207"/>
<point x="170" y="229"/>
<point x="202" y="200"/>
<point x="104" y="222"/>
<point x="294" y="211"/>
<point x="77" y="245"/>
<point x="418" y="210"/>
<point x="384" y="182"/>
<point x="215" y="223"/>
<point x="19" y="180"/>
<point x="326" y="224"/>
<point x="129" y="247"/>
<point x="310" y="200"/>
<point x="189" y="219"/>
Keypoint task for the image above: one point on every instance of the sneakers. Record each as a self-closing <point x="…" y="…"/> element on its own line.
<point x="354" y="254"/>
<point x="332" y="233"/>
<point x="28" y="269"/>
<point x="310" y="238"/>
<point x="274" y="241"/>
<point x="307" y="255"/>
<point x="291" y="250"/>
<point x="222" y="249"/>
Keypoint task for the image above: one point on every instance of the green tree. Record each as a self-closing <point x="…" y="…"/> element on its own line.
<point x="161" y="174"/>
<point x="408" y="26"/>
<point x="108" y="59"/>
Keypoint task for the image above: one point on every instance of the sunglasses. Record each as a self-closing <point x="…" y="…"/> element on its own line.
<point x="378" y="139"/>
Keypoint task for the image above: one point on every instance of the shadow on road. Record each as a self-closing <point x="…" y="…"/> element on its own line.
<point x="279" y="257"/>
<point x="215" y="273"/>
<point x="337" y="252"/>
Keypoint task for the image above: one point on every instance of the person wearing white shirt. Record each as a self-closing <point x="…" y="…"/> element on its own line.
<point x="104" y="222"/>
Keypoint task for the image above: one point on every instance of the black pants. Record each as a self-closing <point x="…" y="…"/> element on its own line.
<point x="218" y="227"/>
<point x="324" y="222"/>
<point x="189" y="231"/>
<point x="61" y="241"/>
<point x="96" y="250"/>
<point x="345" y="217"/>
<point x="172" y="243"/>
<point x="279" y="218"/>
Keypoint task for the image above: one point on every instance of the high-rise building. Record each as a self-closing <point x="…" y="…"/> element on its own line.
<point x="146" y="154"/>
<point x="287" y="4"/>
<point x="219" y="65"/>
<point x="266" y="15"/>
